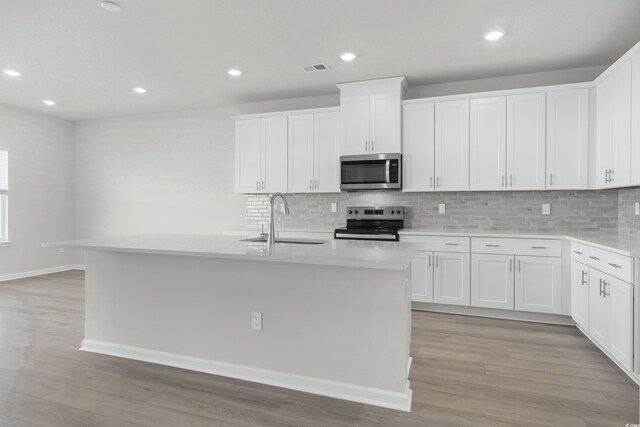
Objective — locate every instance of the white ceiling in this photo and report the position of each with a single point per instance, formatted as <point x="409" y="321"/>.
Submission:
<point x="88" y="59"/>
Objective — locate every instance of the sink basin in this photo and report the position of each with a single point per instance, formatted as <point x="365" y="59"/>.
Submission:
<point x="293" y="241"/>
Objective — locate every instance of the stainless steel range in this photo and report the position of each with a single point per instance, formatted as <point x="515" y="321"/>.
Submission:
<point x="372" y="223"/>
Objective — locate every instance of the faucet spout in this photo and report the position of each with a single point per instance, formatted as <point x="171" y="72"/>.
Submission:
<point x="272" y="227"/>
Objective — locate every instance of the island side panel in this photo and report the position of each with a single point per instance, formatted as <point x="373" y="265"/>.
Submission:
<point x="350" y="325"/>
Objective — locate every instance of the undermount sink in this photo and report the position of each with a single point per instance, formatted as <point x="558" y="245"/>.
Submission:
<point x="293" y="241"/>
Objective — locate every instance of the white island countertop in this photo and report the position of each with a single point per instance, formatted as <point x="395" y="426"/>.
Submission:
<point x="345" y="253"/>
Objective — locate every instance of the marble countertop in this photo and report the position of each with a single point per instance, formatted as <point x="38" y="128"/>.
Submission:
<point x="344" y="253"/>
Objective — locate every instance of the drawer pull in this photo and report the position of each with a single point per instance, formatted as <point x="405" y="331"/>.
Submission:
<point x="614" y="265"/>
<point x="577" y="252"/>
<point x="492" y="246"/>
<point x="594" y="257"/>
<point x="538" y="247"/>
<point x="452" y="244"/>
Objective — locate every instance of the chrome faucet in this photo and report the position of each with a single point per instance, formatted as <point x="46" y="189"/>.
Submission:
<point x="272" y="227"/>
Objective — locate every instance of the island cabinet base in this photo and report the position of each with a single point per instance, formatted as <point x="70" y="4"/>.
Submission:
<point x="336" y="331"/>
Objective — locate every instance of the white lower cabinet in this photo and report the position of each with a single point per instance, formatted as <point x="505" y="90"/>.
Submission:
<point x="422" y="277"/>
<point x="492" y="281"/>
<point x="538" y="284"/>
<point x="451" y="278"/>
<point x="611" y="316"/>
<point x="580" y="294"/>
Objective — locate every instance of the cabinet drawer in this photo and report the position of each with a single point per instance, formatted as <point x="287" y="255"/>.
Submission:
<point x="580" y="252"/>
<point x="438" y="243"/>
<point x="513" y="246"/>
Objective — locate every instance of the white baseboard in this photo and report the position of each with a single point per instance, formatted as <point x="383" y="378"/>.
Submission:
<point x="370" y="396"/>
<point x="634" y="377"/>
<point x="40" y="272"/>
<point x="523" y="316"/>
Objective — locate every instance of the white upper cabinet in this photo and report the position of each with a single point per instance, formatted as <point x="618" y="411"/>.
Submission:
<point x="488" y="143"/>
<point x="371" y="116"/>
<point x="261" y="155"/>
<point x="313" y="154"/>
<point x="526" y="142"/>
<point x="274" y="154"/>
<point x="248" y="156"/>
<point x="613" y="154"/>
<point x="301" y="153"/>
<point x="452" y="146"/>
<point x="355" y="124"/>
<point x="326" y="128"/>
<point x="418" y="147"/>
<point x="567" y="139"/>
<point x="635" y="120"/>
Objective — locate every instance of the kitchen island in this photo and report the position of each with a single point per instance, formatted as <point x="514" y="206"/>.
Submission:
<point x="332" y="319"/>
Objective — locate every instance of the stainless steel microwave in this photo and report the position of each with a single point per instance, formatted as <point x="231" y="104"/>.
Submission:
<point x="371" y="172"/>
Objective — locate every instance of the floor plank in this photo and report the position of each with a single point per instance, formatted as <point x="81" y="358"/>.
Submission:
<point x="467" y="371"/>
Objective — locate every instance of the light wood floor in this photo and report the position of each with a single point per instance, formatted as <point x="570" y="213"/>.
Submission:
<point x="466" y="372"/>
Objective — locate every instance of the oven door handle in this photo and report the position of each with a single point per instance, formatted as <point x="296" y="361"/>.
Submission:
<point x="387" y="171"/>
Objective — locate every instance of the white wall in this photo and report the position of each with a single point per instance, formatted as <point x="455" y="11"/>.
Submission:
<point x="166" y="172"/>
<point x="41" y="196"/>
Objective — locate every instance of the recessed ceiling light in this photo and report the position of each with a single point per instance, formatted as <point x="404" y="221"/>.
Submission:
<point x="348" y="56"/>
<point x="139" y="90"/>
<point x="48" y="102"/>
<point x="235" y="73"/>
<point x="111" y="6"/>
<point x="11" y="73"/>
<point x="493" y="35"/>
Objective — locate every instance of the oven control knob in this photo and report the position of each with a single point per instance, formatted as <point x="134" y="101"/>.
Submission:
<point x="392" y="212"/>
<point x="356" y="212"/>
<point x="350" y="212"/>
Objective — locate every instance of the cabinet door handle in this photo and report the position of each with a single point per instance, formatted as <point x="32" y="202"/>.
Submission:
<point x="502" y="181"/>
<point x="436" y="261"/>
<point x="614" y="265"/>
<point x="429" y="262"/>
<point x="510" y="265"/>
<point x="492" y="246"/>
<point x="604" y="289"/>
<point x="600" y="289"/>
<point x="594" y="258"/>
<point x="612" y="176"/>
<point x="372" y="145"/>
<point x="519" y="269"/>
<point x="263" y="184"/>
<point x="583" y="281"/>
<point x="538" y="247"/>
<point x="310" y="184"/>
<point x="577" y="252"/>
<point x="257" y="185"/>
<point x="366" y="145"/>
<point x="551" y="180"/>
<point x="452" y="244"/>
<point x="438" y="181"/>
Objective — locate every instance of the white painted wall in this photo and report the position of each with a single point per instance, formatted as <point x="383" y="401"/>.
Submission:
<point x="165" y="172"/>
<point x="41" y="196"/>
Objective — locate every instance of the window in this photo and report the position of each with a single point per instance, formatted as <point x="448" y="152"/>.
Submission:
<point x="4" y="195"/>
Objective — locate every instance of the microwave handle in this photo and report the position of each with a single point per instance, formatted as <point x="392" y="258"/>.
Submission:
<point x="387" y="174"/>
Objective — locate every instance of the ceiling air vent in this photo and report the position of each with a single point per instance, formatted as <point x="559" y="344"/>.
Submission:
<point x="314" y="67"/>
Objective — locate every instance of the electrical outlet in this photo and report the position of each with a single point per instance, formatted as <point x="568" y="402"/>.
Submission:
<point x="256" y="320"/>
<point x="334" y="207"/>
<point x="546" y="209"/>
<point x="441" y="208"/>
<point x="637" y="204"/>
